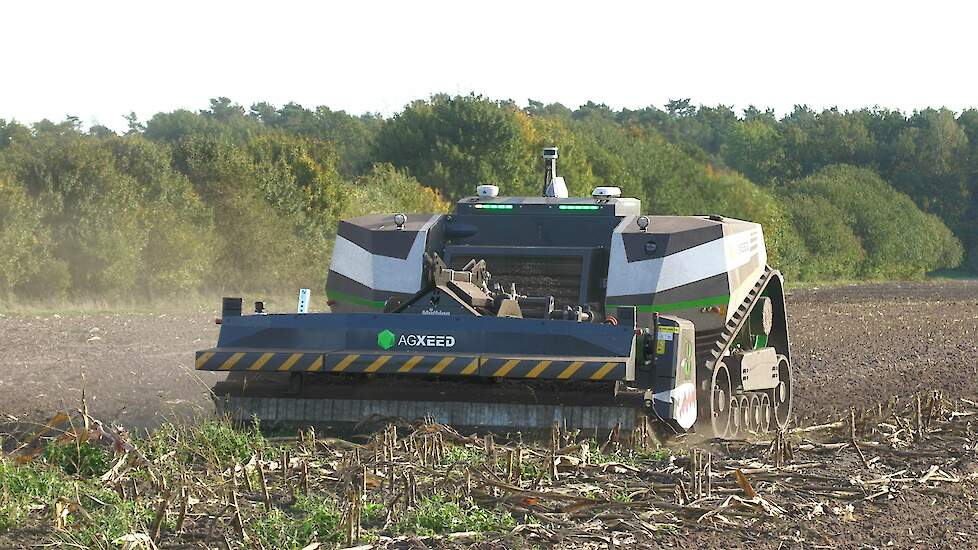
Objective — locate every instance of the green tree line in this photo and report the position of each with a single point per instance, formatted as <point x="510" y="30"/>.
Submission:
<point x="235" y="199"/>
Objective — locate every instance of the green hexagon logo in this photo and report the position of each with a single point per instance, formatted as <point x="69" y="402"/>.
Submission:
<point x="385" y="339"/>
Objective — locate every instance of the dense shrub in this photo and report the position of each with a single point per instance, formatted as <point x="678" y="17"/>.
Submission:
<point x="896" y="239"/>
<point x="384" y="189"/>
<point x="831" y="249"/>
<point x="120" y="219"/>
<point x="456" y="143"/>
<point x="91" y="208"/>
<point x="26" y="264"/>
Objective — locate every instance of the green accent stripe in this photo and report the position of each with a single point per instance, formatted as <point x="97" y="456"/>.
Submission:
<point x="688" y="304"/>
<point x="350" y="298"/>
<point x="760" y="341"/>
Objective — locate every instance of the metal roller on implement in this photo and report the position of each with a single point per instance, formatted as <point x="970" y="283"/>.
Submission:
<point x="518" y="312"/>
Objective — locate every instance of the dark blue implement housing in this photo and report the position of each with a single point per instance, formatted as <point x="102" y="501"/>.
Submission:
<point x="411" y="344"/>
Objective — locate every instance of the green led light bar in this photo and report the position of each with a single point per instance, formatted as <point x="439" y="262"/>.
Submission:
<point x="578" y="207"/>
<point x="494" y="206"/>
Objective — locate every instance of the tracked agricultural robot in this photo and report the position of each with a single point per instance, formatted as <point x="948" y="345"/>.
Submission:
<point x="519" y="312"/>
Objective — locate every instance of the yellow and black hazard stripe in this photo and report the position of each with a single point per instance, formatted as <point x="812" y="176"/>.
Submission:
<point x="370" y="363"/>
<point x="216" y="360"/>
<point x="259" y="361"/>
<point x="496" y="367"/>
<point x="446" y="365"/>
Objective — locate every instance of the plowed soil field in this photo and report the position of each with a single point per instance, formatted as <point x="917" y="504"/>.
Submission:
<point x="852" y="345"/>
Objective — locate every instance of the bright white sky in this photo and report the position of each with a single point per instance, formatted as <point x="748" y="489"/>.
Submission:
<point x="99" y="60"/>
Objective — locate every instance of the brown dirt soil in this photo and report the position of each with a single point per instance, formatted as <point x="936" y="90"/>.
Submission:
<point x="135" y="369"/>
<point x="851" y="345"/>
<point x="859" y="345"/>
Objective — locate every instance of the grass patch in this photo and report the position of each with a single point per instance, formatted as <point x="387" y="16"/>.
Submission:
<point x="436" y="515"/>
<point x="109" y="518"/>
<point x="626" y="456"/>
<point x="309" y="520"/>
<point x="222" y="442"/>
<point x="84" y="458"/>
<point x="217" y="442"/>
<point x="655" y="455"/>
<point x="23" y="488"/>
<point x="40" y="485"/>
<point x="459" y="454"/>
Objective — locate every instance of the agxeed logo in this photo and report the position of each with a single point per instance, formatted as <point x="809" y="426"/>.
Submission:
<point x="387" y="339"/>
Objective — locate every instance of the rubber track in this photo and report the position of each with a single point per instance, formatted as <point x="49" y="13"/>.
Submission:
<point x="738" y="319"/>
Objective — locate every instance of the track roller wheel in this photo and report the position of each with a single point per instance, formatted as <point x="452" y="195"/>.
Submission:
<point x="766" y="414"/>
<point x="720" y="411"/>
<point x="743" y="408"/>
<point x="754" y="413"/>
<point x="781" y="396"/>
<point x="735" y="428"/>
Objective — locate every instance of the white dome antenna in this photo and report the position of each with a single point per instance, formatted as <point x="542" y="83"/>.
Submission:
<point x="606" y="192"/>
<point x="487" y="191"/>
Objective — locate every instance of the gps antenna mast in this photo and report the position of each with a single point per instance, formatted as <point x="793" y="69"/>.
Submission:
<point x="553" y="185"/>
